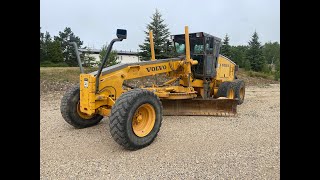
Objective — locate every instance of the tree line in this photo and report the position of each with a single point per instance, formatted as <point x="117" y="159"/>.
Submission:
<point x="254" y="56"/>
<point x="251" y="57"/>
<point x="56" y="51"/>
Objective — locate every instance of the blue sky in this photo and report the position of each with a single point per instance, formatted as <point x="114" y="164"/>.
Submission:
<point x="96" y="21"/>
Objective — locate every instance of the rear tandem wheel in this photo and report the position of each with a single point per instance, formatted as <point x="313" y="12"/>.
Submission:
<point x="239" y="87"/>
<point x="227" y="90"/>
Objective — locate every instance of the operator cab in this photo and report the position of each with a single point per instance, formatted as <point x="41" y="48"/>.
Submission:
<point x="204" y="48"/>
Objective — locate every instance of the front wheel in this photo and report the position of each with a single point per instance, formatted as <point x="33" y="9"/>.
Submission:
<point x="70" y="110"/>
<point x="135" y="119"/>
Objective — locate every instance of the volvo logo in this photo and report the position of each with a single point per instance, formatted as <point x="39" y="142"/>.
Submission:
<point x="156" y="68"/>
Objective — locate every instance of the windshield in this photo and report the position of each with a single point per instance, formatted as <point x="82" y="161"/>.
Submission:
<point x="196" y="45"/>
<point x="180" y="47"/>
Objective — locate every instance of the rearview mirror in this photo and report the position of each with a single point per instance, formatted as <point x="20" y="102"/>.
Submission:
<point x="122" y="33"/>
<point x="71" y="39"/>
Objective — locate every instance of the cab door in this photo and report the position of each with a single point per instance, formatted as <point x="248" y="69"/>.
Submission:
<point x="212" y="47"/>
<point x="208" y="68"/>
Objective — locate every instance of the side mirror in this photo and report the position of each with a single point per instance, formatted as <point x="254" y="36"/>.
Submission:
<point x="122" y="33"/>
<point x="71" y="39"/>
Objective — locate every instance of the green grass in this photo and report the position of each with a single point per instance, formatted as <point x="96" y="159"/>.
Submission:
<point x="260" y="75"/>
<point x="50" y="64"/>
<point x="62" y="74"/>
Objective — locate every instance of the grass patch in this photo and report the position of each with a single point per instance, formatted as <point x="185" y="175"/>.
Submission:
<point x="62" y="74"/>
<point x="50" y="64"/>
<point x="260" y="75"/>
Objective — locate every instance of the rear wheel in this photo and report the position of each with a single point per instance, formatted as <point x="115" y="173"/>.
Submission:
<point x="239" y="87"/>
<point x="226" y="90"/>
<point x="135" y="119"/>
<point x="70" y="110"/>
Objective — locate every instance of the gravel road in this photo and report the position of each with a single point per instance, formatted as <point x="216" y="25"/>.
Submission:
<point x="243" y="147"/>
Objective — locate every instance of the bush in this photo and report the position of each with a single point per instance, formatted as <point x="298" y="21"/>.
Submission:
<point x="267" y="69"/>
<point x="259" y="74"/>
<point x="277" y="76"/>
<point x="271" y="75"/>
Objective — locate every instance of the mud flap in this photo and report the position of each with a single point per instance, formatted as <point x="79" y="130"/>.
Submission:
<point x="199" y="107"/>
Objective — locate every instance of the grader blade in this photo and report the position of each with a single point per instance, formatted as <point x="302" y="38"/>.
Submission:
<point x="199" y="107"/>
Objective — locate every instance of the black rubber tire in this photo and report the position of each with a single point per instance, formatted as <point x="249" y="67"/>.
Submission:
<point x="238" y="84"/>
<point x="69" y="112"/>
<point x="122" y="113"/>
<point x="224" y="88"/>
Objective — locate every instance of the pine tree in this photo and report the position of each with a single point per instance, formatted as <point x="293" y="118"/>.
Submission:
<point x="68" y="50"/>
<point x="88" y="61"/>
<point x="226" y="48"/>
<point x="54" y="52"/>
<point x="112" y="59"/>
<point x="238" y="54"/>
<point x="161" y="34"/>
<point x="50" y="51"/>
<point x="45" y="41"/>
<point x="255" y="54"/>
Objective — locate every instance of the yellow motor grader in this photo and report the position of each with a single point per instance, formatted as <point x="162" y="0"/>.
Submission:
<point x="200" y="82"/>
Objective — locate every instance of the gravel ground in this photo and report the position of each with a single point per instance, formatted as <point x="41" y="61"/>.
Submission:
<point x="243" y="147"/>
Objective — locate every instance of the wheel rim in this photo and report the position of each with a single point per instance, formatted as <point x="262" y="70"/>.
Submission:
<point x="230" y="94"/>
<point x="143" y="120"/>
<point x="242" y="93"/>
<point x="81" y="114"/>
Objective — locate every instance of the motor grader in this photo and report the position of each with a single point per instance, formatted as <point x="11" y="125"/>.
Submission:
<point x="201" y="82"/>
